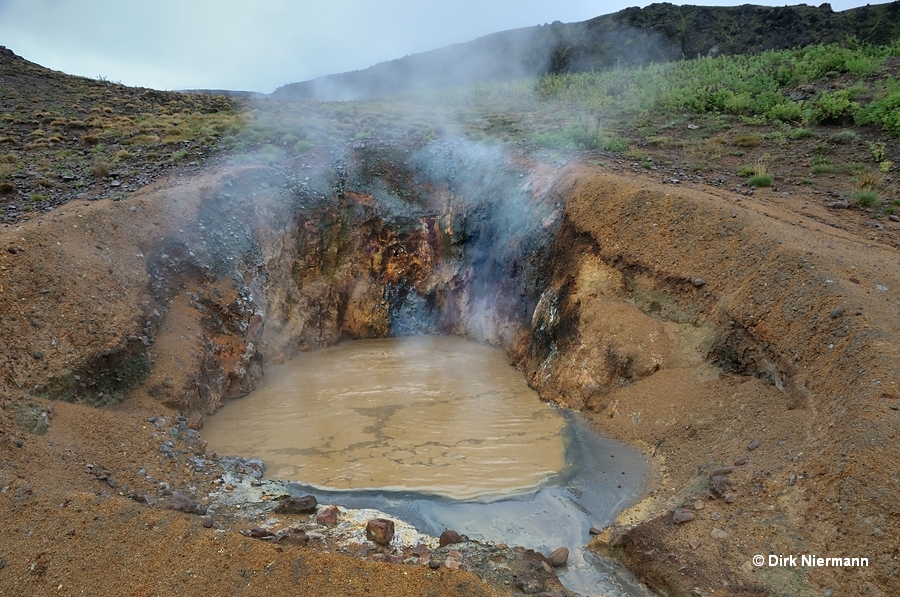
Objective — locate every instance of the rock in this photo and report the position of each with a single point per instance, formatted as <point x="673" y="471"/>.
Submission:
<point x="182" y="503"/>
<point x="380" y="531"/>
<point x="719" y="485"/>
<point x="753" y="445"/>
<point x="726" y="470"/>
<point x="449" y="537"/>
<point x="836" y="313"/>
<point x="698" y="282"/>
<point x="699" y="505"/>
<point x="207" y="522"/>
<point x="558" y="557"/>
<point x="434" y="564"/>
<point x="328" y="516"/>
<point x="195" y="422"/>
<point x="718" y="534"/>
<point x="894" y="218"/>
<point x="694" y="543"/>
<point x="297" y="505"/>
<point x="681" y="515"/>
<point x="259" y="533"/>
<point x="740" y="462"/>
<point x="256" y="467"/>
<point x="595" y="531"/>
<point x="291" y="535"/>
<point x="531" y="582"/>
<point x="730" y="498"/>
<point x="18" y="443"/>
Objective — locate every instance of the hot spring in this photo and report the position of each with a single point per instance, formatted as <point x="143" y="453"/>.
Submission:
<point x="443" y="433"/>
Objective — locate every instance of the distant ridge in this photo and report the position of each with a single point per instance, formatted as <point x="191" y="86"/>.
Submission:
<point x="661" y="32"/>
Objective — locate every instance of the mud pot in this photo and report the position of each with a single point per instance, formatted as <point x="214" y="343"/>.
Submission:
<point x="747" y="347"/>
<point x="442" y="433"/>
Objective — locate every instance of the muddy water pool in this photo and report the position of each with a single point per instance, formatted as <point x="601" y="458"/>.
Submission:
<point x="443" y="433"/>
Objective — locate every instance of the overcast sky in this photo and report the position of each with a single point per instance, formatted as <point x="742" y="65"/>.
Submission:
<point x="259" y="45"/>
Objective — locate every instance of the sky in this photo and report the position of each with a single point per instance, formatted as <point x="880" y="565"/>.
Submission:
<point x="259" y="45"/>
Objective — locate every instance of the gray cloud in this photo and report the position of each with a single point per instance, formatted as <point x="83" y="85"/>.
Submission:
<point x="260" y="45"/>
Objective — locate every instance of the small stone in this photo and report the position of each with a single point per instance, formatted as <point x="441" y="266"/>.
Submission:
<point x="682" y="515"/>
<point x="740" y="462"/>
<point x="836" y="313"/>
<point x="328" y="517"/>
<point x="595" y="531"/>
<point x="434" y="564"/>
<point x="726" y="470"/>
<point x="38" y="354"/>
<point x="718" y="534"/>
<point x="361" y="550"/>
<point x="207" y="522"/>
<point x="558" y="557"/>
<point x="698" y="282"/>
<point x="894" y="218"/>
<point x="840" y="204"/>
<point x="297" y="505"/>
<point x="182" y="503"/>
<point x="380" y="530"/>
<point x="694" y="543"/>
<point x="730" y="498"/>
<point x="753" y="445"/>
<point x="18" y="443"/>
<point x="259" y="533"/>
<point x="719" y="485"/>
<point x="699" y="505"/>
<point x="292" y="536"/>
<point x="829" y="593"/>
<point x="448" y="537"/>
<point x="420" y="550"/>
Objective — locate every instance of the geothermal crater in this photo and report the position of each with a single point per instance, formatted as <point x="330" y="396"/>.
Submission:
<point x="703" y="332"/>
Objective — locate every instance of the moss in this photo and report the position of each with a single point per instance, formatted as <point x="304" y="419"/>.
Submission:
<point x="105" y="387"/>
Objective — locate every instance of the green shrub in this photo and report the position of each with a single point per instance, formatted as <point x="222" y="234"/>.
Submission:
<point x="787" y="112"/>
<point x="801" y="134"/>
<point x="844" y="137"/>
<point x="834" y="107"/>
<point x="573" y="138"/>
<point x="865" y="198"/>
<point x="759" y="178"/>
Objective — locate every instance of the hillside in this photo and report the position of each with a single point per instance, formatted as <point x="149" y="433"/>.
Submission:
<point x="661" y="32"/>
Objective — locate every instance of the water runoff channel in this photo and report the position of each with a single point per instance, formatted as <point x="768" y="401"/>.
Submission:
<point x="443" y="433"/>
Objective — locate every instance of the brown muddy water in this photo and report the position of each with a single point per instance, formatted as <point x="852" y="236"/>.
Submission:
<point x="431" y="414"/>
<point x="443" y="433"/>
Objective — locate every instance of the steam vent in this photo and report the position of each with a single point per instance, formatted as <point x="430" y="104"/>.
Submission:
<point x="259" y="357"/>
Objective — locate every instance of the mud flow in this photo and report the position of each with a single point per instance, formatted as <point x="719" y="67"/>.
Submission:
<point x="444" y="433"/>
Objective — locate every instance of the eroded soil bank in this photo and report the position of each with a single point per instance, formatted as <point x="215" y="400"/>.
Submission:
<point x="711" y="333"/>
